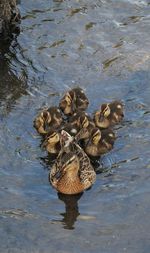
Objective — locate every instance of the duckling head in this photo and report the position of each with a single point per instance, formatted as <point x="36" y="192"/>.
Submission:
<point x="117" y="108"/>
<point x="46" y="116"/>
<point x="53" y="137"/>
<point x="96" y="135"/>
<point x="108" y="138"/>
<point x="82" y="101"/>
<point x="83" y="121"/>
<point x="101" y="117"/>
<point x="56" y="116"/>
<point x="67" y="104"/>
<point x="105" y="111"/>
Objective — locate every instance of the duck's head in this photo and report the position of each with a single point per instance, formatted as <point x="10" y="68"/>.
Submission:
<point x="65" y="139"/>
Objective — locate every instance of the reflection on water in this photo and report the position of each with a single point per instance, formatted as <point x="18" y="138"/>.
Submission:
<point x="71" y="209"/>
<point x="12" y="87"/>
<point x="103" y="46"/>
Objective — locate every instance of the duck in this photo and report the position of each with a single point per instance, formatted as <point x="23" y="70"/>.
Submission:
<point x="73" y="100"/>
<point x="52" y="142"/>
<point x="48" y="119"/>
<point x="72" y="172"/>
<point x="99" y="143"/>
<point x="109" y="114"/>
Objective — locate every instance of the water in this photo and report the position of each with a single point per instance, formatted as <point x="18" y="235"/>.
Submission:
<point x="103" y="46"/>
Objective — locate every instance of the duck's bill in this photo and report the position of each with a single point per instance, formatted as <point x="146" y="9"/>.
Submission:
<point x="65" y="138"/>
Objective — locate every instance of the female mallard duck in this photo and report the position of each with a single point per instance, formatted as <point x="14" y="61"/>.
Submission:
<point x="109" y="114"/>
<point x="52" y="142"/>
<point x="48" y="119"/>
<point x="73" y="100"/>
<point x="100" y="142"/>
<point x="72" y="171"/>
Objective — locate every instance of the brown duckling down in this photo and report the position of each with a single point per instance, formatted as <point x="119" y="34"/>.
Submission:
<point x="52" y="142"/>
<point x="48" y="119"/>
<point x="78" y="121"/>
<point x="99" y="142"/>
<point x="73" y="101"/>
<point x="109" y="114"/>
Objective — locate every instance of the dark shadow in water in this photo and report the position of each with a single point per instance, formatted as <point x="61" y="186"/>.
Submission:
<point x="12" y="87"/>
<point x="71" y="209"/>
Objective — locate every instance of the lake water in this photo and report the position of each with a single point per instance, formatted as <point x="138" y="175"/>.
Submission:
<point x="104" y="47"/>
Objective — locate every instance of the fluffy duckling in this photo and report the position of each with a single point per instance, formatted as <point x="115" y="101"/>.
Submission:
<point x="48" y="119"/>
<point x="72" y="171"/>
<point x="52" y="142"/>
<point x="109" y="114"/>
<point x="73" y="100"/>
<point x="82" y="101"/>
<point x="76" y="122"/>
<point x="100" y="142"/>
<point x="86" y="125"/>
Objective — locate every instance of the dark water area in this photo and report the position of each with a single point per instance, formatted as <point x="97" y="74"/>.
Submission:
<point x="103" y="46"/>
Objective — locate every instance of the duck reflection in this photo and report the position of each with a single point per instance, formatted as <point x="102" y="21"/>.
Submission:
<point x="71" y="209"/>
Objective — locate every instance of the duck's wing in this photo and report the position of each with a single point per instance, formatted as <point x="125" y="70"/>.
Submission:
<point x="86" y="173"/>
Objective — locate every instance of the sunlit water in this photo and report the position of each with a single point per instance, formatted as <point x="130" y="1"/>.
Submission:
<point x="103" y="46"/>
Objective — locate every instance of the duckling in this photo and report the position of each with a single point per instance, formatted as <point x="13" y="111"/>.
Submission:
<point x="100" y="142"/>
<point x="48" y="119"/>
<point x="109" y="114"/>
<point x="52" y="142"/>
<point x="76" y="122"/>
<point x="82" y="101"/>
<point x="86" y="125"/>
<point x="72" y="172"/>
<point x="73" y="100"/>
